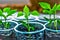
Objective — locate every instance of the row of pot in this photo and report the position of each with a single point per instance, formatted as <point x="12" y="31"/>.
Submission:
<point x="40" y="33"/>
<point x="31" y="29"/>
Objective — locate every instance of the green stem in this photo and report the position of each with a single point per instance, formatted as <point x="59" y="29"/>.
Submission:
<point x="5" y="22"/>
<point x="50" y="16"/>
<point x="2" y="23"/>
<point x="55" y="22"/>
<point x="28" y="28"/>
<point x="54" y="16"/>
<point x="50" y="19"/>
<point x="28" y="25"/>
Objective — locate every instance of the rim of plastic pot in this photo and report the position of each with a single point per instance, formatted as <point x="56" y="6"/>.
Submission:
<point x="30" y="32"/>
<point x="10" y="28"/>
<point x="22" y="19"/>
<point x="41" y="20"/>
<point x="51" y="29"/>
<point x="17" y="19"/>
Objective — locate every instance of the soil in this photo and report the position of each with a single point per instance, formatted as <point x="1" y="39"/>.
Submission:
<point x="24" y="29"/>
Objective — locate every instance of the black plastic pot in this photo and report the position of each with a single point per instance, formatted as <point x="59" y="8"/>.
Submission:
<point x="8" y="32"/>
<point x="22" y="34"/>
<point x="51" y="33"/>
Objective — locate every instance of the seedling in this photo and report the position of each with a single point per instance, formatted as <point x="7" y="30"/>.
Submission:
<point x="9" y="13"/>
<point x="47" y="9"/>
<point x="26" y="12"/>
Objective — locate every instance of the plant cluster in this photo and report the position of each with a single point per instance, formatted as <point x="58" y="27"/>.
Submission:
<point x="9" y="13"/>
<point x="50" y="10"/>
<point x="26" y="12"/>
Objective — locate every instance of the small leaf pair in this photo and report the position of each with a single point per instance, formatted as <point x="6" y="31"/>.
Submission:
<point x="47" y="8"/>
<point x="9" y="11"/>
<point x="26" y="12"/>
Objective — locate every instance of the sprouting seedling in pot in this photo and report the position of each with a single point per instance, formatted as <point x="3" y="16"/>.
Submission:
<point x="47" y="9"/>
<point x="26" y="12"/>
<point x="9" y="13"/>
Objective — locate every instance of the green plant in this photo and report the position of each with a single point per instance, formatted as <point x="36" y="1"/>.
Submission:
<point x="47" y="9"/>
<point x="9" y="13"/>
<point x="26" y="12"/>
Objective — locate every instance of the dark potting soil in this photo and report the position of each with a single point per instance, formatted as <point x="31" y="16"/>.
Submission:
<point x="10" y="23"/>
<point x="24" y="29"/>
<point x="36" y="36"/>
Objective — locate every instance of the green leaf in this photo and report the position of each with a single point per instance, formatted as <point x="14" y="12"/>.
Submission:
<point x="11" y="12"/>
<point x="24" y="24"/>
<point x="33" y="28"/>
<point x="6" y="9"/>
<point x="58" y="7"/>
<point x="0" y="22"/>
<point x="46" y="11"/>
<point x="27" y="26"/>
<point x="58" y="21"/>
<point x="51" y="12"/>
<point x="7" y="25"/>
<point x="26" y="11"/>
<point x="20" y="13"/>
<point x="26" y="17"/>
<point x="45" y="5"/>
<point x="55" y="24"/>
<point x="1" y="13"/>
<point x="46" y="18"/>
<point x="54" y="8"/>
<point x="35" y="13"/>
<point x="50" y="23"/>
